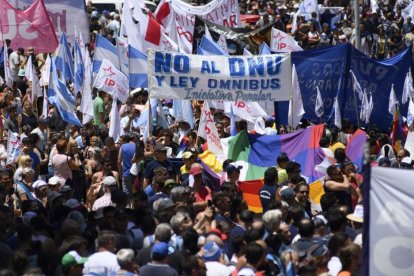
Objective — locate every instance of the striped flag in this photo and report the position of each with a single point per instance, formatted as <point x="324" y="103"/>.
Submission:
<point x="64" y="61"/>
<point x="250" y="191"/>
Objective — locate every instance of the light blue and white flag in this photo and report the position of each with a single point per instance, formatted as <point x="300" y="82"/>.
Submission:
<point x="86" y="106"/>
<point x="183" y="110"/>
<point x="59" y="96"/>
<point x="138" y="69"/>
<point x="79" y="68"/>
<point x="265" y="49"/>
<point x="104" y="50"/>
<point x="209" y="47"/>
<point x="64" y="60"/>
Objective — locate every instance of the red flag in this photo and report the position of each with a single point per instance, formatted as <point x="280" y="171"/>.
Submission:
<point x="163" y="12"/>
<point x="153" y="33"/>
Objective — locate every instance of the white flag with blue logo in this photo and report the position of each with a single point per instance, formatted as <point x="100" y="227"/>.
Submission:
<point x="86" y="106"/>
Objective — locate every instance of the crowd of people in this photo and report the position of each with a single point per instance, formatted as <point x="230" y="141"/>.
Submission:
<point x="77" y="201"/>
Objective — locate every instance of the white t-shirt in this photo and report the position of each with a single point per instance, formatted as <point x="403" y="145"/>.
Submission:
<point x="100" y="262"/>
<point x="217" y="269"/>
<point x="43" y="136"/>
<point x="334" y="266"/>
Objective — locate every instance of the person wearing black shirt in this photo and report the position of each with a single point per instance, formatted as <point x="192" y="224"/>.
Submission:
<point x="268" y="190"/>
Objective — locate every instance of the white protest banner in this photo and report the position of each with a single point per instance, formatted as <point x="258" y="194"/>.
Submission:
<point x="219" y="78"/>
<point x="67" y="16"/>
<point x="13" y="147"/>
<point x="178" y="18"/>
<point x="282" y="42"/>
<point x="112" y="81"/>
<point x="207" y="129"/>
<point x="249" y="111"/>
<point x="390" y="222"/>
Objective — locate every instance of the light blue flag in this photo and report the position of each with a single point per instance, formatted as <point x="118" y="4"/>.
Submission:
<point x="208" y="47"/>
<point x="64" y="60"/>
<point x="104" y="49"/>
<point x="233" y="130"/>
<point x="138" y="69"/>
<point x="79" y="68"/>
<point x="59" y="96"/>
<point x="264" y="49"/>
<point x="183" y="110"/>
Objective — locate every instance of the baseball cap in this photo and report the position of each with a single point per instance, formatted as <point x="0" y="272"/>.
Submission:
<point x="164" y="203"/>
<point x="406" y="163"/>
<point x="39" y="183"/>
<point x="28" y="216"/>
<point x="109" y="180"/>
<point x="160" y="147"/>
<point x="55" y="180"/>
<point x="73" y="258"/>
<point x="211" y="252"/>
<point x="196" y="170"/>
<point x="187" y="155"/>
<point x="43" y="120"/>
<point x="170" y="183"/>
<point x="160" y="250"/>
<point x="287" y="193"/>
<point x="72" y="203"/>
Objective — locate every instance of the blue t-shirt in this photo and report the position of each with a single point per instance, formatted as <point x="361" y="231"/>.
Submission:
<point x="35" y="158"/>
<point x="267" y="195"/>
<point x="152" y="165"/>
<point x="127" y="151"/>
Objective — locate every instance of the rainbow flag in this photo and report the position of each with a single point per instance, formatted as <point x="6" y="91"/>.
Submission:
<point x="256" y="153"/>
<point x="250" y="191"/>
<point x="316" y="191"/>
<point x="355" y="148"/>
<point x="399" y="132"/>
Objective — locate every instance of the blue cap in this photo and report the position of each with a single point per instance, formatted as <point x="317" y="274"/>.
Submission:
<point x="211" y="252"/>
<point x="160" y="249"/>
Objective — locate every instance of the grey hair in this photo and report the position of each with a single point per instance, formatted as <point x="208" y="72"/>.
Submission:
<point x="176" y="220"/>
<point x="163" y="232"/>
<point x="271" y="219"/>
<point x="125" y="257"/>
<point x="176" y="193"/>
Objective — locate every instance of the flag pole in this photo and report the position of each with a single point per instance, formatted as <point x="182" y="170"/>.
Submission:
<point x="356" y="109"/>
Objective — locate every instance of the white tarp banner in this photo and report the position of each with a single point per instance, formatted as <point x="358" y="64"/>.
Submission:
<point x="391" y="240"/>
<point x="219" y="78"/>
<point x="178" y="18"/>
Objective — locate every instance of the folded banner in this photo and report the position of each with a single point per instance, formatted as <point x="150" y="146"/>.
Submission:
<point x="29" y="28"/>
<point x="67" y="16"/>
<point x="390" y="222"/>
<point x="178" y="17"/>
<point x="238" y="39"/>
<point x="112" y="81"/>
<point x="242" y="78"/>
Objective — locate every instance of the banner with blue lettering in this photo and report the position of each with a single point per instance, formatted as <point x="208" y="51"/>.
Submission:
<point x="329" y="70"/>
<point x="219" y="78"/>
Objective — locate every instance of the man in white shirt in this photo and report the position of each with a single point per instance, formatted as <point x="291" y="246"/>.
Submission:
<point x="15" y="62"/>
<point x="214" y="261"/>
<point x="41" y="131"/>
<point x="104" y="260"/>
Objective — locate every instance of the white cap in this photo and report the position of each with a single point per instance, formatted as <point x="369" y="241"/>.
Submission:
<point x="55" y="180"/>
<point x="109" y="180"/>
<point x="39" y="183"/>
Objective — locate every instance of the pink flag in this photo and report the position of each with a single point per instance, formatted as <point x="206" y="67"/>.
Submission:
<point x="29" y="28"/>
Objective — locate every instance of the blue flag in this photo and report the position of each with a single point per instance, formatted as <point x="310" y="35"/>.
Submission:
<point x="138" y="72"/>
<point x="79" y="68"/>
<point x="208" y="47"/>
<point x="64" y="60"/>
<point x="264" y="49"/>
<point x="60" y="97"/>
